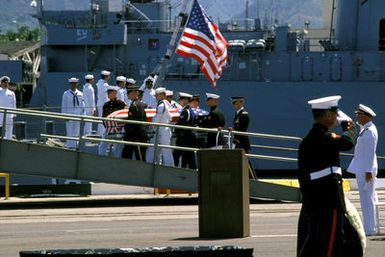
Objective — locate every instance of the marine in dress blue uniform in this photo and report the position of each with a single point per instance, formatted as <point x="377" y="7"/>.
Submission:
<point x="240" y="123"/>
<point x="215" y="119"/>
<point x="186" y="137"/>
<point x="323" y="230"/>
<point x="109" y="107"/>
<point x="135" y="132"/>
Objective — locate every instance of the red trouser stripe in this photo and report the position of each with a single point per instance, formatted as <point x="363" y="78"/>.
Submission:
<point x="333" y="233"/>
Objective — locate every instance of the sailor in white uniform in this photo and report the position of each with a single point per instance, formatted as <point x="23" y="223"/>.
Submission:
<point x="89" y="102"/>
<point x="102" y="98"/>
<point x="364" y="166"/>
<point x="72" y="103"/>
<point x="149" y="93"/>
<point x="174" y="104"/>
<point x="121" y="84"/>
<point x="7" y="99"/>
<point x="164" y="137"/>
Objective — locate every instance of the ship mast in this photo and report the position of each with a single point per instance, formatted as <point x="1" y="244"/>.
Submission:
<point x="247" y="14"/>
<point x="161" y="68"/>
<point x="332" y="21"/>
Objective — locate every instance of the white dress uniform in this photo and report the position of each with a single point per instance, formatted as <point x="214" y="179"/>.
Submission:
<point x="165" y="154"/>
<point x="176" y="105"/>
<point x="365" y="160"/>
<point x="149" y="98"/>
<point x="89" y="105"/>
<point x="7" y="99"/>
<point x="101" y="85"/>
<point x="122" y="96"/>
<point x="149" y="94"/>
<point x="72" y="103"/>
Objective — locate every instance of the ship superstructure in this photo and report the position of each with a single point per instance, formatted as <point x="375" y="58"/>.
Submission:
<point x="277" y="69"/>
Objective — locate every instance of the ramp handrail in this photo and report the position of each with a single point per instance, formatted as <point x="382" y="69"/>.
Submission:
<point x="83" y="118"/>
<point x="95" y="119"/>
<point x="230" y="133"/>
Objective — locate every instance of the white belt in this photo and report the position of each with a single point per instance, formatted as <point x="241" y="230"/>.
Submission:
<point x="325" y="172"/>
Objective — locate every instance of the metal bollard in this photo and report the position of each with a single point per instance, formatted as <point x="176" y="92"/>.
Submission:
<point x="20" y="129"/>
<point x="50" y="127"/>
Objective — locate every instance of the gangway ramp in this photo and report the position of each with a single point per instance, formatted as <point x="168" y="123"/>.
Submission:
<point x="41" y="160"/>
<point x="26" y="158"/>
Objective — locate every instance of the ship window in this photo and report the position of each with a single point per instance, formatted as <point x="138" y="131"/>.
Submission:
<point x="66" y="5"/>
<point x="66" y="59"/>
<point x="153" y="44"/>
<point x="381" y="42"/>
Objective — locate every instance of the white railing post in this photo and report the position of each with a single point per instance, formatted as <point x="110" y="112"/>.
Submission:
<point x="4" y="128"/>
<point x="80" y="138"/>
<point x="156" y="159"/>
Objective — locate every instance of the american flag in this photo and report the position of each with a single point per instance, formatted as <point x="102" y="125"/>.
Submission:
<point x="202" y="40"/>
<point x="199" y="112"/>
<point x="115" y="127"/>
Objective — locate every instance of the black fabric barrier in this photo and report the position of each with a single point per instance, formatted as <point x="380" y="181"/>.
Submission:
<point x="186" y="251"/>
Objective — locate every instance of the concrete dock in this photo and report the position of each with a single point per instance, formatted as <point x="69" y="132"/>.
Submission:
<point x="110" y="221"/>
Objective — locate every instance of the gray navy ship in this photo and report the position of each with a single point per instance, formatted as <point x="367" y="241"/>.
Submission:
<point x="276" y="69"/>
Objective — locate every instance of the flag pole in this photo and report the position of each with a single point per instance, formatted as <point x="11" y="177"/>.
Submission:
<point x="161" y="69"/>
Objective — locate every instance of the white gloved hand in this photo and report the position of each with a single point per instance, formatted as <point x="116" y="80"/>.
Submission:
<point x="341" y="116"/>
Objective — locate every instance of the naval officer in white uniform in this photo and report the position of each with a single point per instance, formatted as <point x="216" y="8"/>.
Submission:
<point x="7" y="99"/>
<point x="89" y="101"/>
<point x="102" y="98"/>
<point x="364" y="166"/>
<point x="72" y="103"/>
<point x="148" y="92"/>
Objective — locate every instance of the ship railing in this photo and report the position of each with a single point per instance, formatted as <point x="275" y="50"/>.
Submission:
<point x="156" y="25"/>
<point x="81" y="139"/>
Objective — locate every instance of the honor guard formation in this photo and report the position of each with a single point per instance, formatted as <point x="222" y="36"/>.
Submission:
<point x="125" y="100"/>
<point x="145" y="103"/>
<point x="324" y="226"/>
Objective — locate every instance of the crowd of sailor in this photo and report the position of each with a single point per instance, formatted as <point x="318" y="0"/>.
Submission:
<point x="126" y="100"/>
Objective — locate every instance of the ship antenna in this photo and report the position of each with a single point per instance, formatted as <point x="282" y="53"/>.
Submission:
<point x="247" y="14"/>
<point x="332" y="20"/>
<point x="257" y="8"/>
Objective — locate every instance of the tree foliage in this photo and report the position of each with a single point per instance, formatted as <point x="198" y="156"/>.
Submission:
<point x="23" y="33"/>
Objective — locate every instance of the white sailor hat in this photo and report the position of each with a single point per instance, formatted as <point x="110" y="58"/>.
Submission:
<point x="73" y="80"/>
<point x="160" y="90"/>
<point x="325" y="103"/>
<point x="184" y="95"/>
<point x="105" y="72"/>
<point x="169" y="93"/>
<point x="89" y="76"/>
<point x="131" y="81"/>
<point x="149" y="78"/>
<point x="112" y="88"/>
<point x="213" y="96"/>
<point x="121" y="78"/>
<point x="365" y="109"/>
<point x="5" y="79"/>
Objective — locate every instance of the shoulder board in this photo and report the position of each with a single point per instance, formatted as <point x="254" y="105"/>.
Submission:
<point x="246" y="113"/>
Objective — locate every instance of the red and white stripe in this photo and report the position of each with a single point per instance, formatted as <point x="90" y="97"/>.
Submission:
<point x="113" y="127"/>
<point x="211" y="55"/>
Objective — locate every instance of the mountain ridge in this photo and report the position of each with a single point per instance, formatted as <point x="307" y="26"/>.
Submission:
<point x="295" y="12"/>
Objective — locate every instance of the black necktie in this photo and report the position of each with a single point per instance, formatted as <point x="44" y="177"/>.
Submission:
<point x="75" y="99"/>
